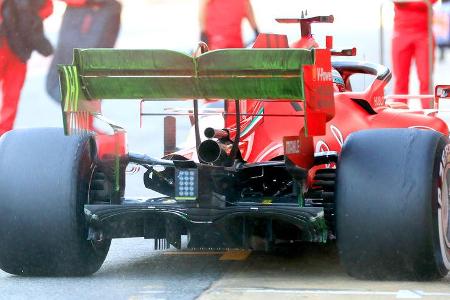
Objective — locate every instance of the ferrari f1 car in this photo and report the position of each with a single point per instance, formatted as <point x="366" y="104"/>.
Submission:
<point x="299" y="159"/>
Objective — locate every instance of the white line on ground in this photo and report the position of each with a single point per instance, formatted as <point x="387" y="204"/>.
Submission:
<point x="400" y="294"/>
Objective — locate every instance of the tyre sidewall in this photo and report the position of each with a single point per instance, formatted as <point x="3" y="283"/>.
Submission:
<point x="440" y="187"/>
<point x="387" y="204"/>
<point x="44" y="180"/>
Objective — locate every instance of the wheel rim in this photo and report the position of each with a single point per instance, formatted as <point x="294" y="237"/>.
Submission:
<point x="444" y="217"/>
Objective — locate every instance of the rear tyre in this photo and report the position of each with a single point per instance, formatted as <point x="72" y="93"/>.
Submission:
<point x="44" y="182"/>
<point x="392" y="204"/>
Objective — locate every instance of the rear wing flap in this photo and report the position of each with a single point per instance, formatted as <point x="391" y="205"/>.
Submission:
<point x="235" y="74"/>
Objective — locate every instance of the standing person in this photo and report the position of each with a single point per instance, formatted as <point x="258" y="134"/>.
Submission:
<point x="85" y="24"/>
<point x="410" y="40"/>
<point x="21" y="33"/>
<point x="441" y="27"/>
<point x="221" y="20"/>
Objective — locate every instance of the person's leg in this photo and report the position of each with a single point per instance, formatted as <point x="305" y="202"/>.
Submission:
<point x="402" y="51"/>
<point x="421" y="54"/>
<point x="13" y="80"/>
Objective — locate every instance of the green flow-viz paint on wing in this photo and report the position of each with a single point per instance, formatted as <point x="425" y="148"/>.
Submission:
<point x="166" y="74"/>
<point x="235" y="74"/>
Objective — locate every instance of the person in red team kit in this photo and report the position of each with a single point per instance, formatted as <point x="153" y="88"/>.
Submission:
<point x="79" y="3"/>
<point x="21" y="33"/>
<point x="410" y="40"/>
<point x="220" y="22"/>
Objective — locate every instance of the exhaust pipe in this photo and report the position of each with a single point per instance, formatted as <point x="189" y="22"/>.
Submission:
<point x="217" y="133"/>
<point x="211" y="151"/>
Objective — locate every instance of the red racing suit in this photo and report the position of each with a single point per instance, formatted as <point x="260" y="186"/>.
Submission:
<point x="307" y="42"/>
<point x="223" y="19"/>
<point x="79" y="3"/>
<point x="75" y="2"/>
<point x="13" y="70"/>
<point x="410" y="41"/>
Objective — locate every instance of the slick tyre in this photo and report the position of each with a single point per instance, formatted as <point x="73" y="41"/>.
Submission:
<point x="392" y="204"/>
<point x="44" y="182"/>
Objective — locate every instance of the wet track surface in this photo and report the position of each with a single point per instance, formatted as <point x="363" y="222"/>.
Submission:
<point x="132" y="269"/>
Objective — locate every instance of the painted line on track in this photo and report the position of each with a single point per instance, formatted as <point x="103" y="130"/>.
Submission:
<point x="400" y="294"/>
<point x="238" y="255"/>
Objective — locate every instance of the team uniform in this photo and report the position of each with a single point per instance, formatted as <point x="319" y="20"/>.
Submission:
<point x="223" y="21"/>
<point x="410" y="41"/>
<point x="21" y="34"/>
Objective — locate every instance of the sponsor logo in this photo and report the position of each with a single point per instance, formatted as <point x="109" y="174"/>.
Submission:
<point x="378" y="101"/>
<point x="322" y="75"/>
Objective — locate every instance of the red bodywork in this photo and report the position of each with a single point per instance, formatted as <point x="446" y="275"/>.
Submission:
<point x="264" y="142"/>
<point x="275" y="130"/>
<point x="328" y="127"/>
<point x="262" y="136"/>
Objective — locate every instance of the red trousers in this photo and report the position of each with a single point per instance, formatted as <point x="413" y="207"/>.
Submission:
<point x="218" y="41"/>
<point x="12" y="77"/>
<point x="407" y="46"/>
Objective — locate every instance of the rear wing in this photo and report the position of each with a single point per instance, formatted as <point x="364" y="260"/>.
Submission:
<point x="234" y="74"/>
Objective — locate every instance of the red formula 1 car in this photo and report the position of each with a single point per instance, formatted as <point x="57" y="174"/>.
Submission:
<point x="300" y="159"/>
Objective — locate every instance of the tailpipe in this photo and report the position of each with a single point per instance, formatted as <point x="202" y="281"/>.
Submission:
<point x="211" y="151"/>
<point x="221" y="134"/>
